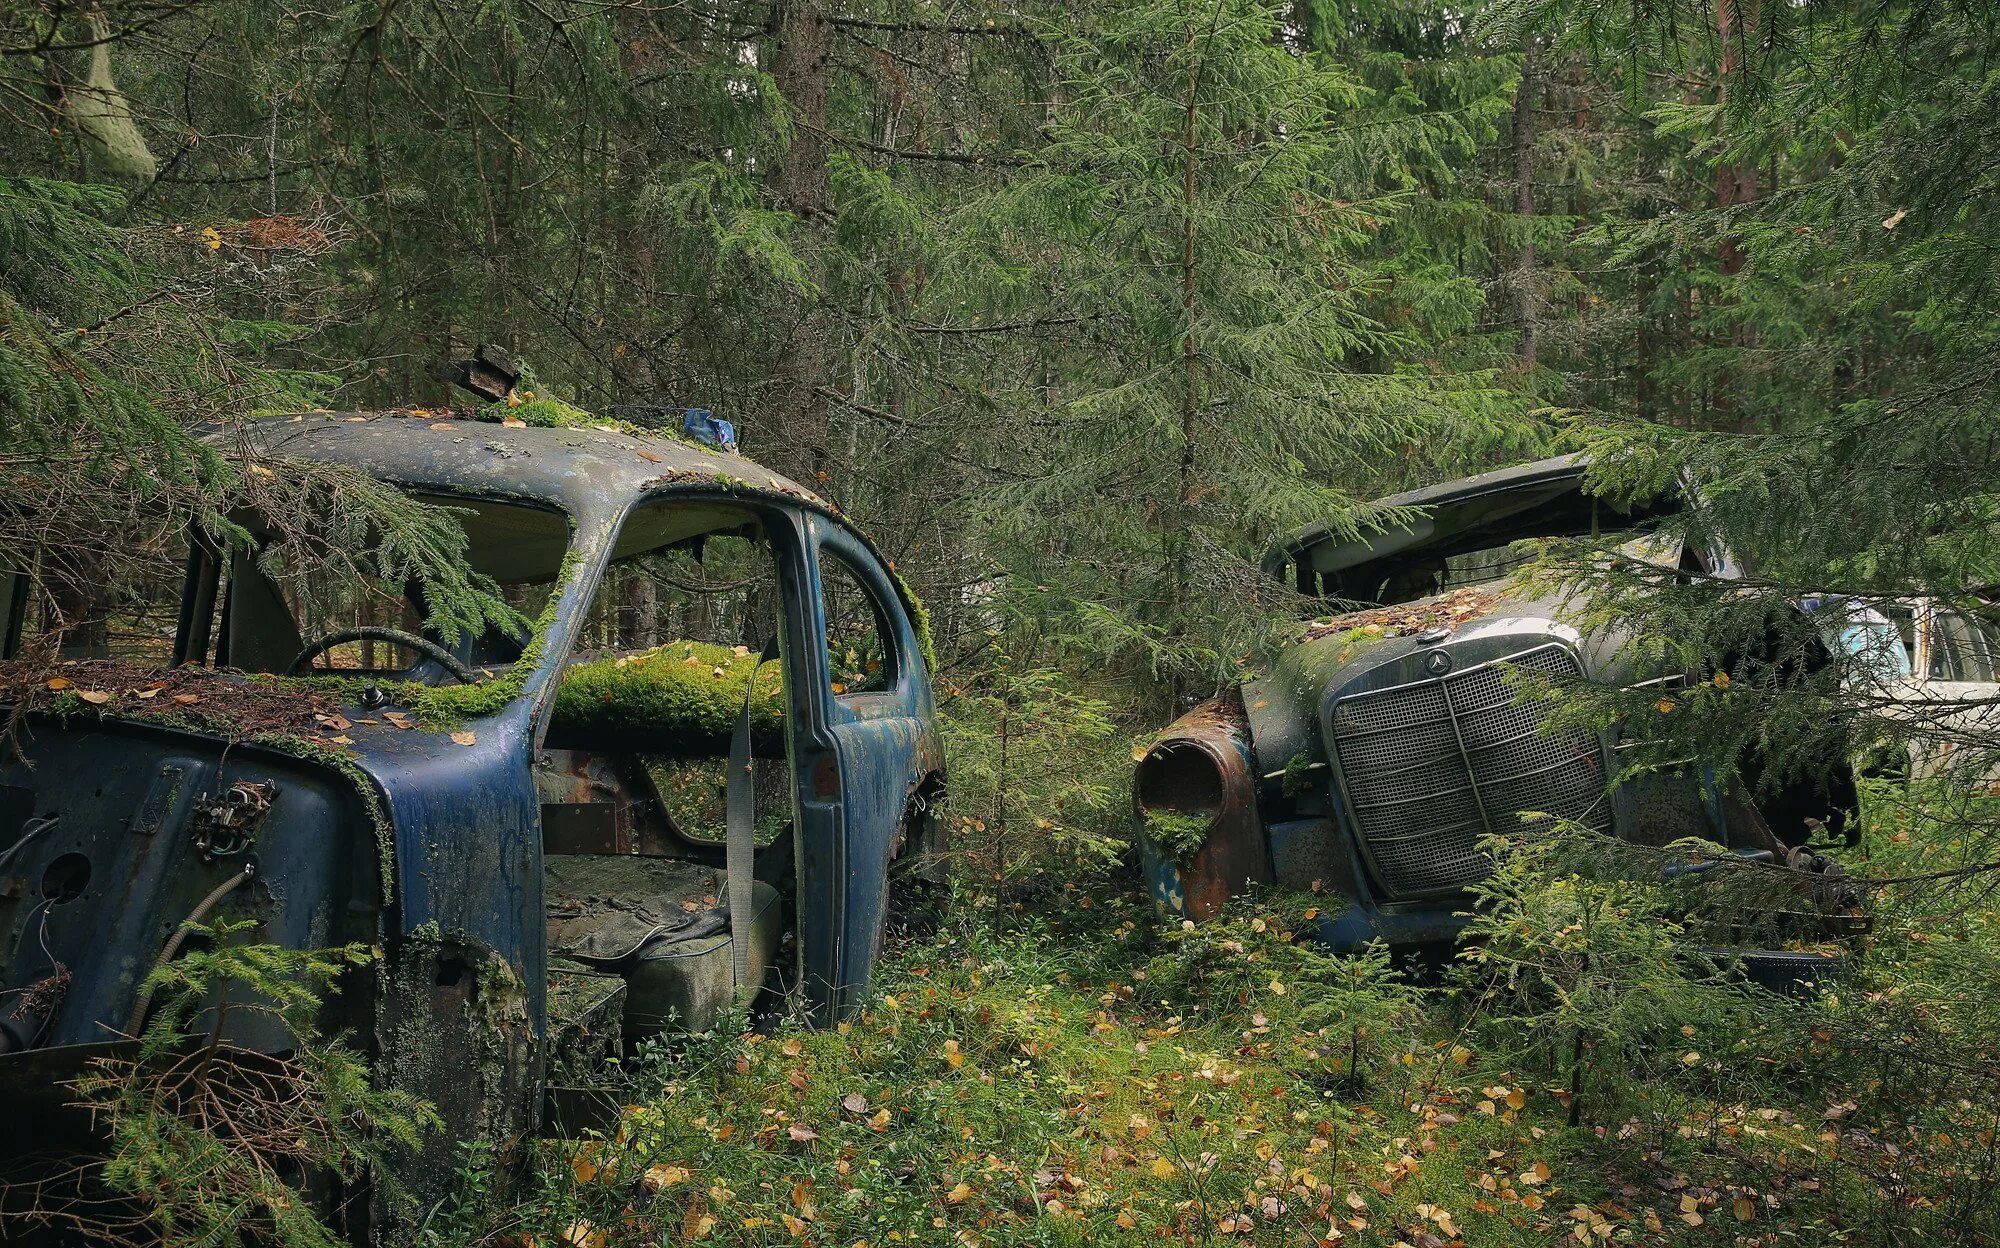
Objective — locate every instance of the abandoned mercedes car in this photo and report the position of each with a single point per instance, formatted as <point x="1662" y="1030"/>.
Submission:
<point x="691" y="777"/>
<point x="1385" y="745"/>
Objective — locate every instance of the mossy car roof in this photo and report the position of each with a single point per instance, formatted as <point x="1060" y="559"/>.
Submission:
<point x="581" y="470"/>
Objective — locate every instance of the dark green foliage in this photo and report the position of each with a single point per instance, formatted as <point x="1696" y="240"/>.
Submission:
<point x="211" y="1145"/>
<point x="1038" y="770"/>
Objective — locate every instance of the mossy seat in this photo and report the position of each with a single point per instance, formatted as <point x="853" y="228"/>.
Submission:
<point x="681" y="698"/>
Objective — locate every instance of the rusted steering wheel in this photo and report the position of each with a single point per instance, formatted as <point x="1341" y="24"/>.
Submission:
<point x="396" y="636"/>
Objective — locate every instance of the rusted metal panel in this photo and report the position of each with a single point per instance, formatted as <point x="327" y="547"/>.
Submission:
<point x="1201" y="765"/>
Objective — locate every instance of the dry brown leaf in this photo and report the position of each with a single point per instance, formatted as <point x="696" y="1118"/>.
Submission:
<point x="583" y="1235"/>
<point x="96" y="697"/>
<point x="659" y="1178"/>
<point x="467" y="737"/>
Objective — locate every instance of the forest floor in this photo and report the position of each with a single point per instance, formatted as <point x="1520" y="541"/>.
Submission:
<point x="1072" y="1070"/>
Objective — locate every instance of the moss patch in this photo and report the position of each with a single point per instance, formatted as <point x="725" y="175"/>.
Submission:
<point x="1176" y="831"/>
<point x="546" y="413"/>
<point x="1449" y="610"/>
<point x="920" y="621"/>
<point x="689" y="689"/>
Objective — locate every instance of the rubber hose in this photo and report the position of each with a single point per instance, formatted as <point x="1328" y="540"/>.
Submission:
<point x="174" y="942"/>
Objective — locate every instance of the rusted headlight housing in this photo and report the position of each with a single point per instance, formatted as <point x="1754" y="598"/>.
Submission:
<point x="1178" y="791"/>
<point x="1196" y="802"/>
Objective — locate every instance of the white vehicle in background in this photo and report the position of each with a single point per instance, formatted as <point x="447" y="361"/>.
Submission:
<point x="1939" y="667"/>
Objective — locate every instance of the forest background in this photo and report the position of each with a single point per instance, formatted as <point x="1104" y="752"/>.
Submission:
<point x="1075" y="308"/>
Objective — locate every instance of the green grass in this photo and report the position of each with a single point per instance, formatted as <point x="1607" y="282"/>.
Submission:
<point x="1073" y="1070"/>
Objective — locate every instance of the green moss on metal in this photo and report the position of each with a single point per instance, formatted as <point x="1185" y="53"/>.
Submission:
<point x="920" y="620"/>
<point x="1298" y="775"/>
<point x="690" y="691"/>
<point x="338" y="759"/>
<point x="546" y="413"/>
<point x="1176" y="831"/>
<point x="442" y="707"/>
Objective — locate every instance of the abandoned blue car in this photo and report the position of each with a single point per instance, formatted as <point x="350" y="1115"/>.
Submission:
<point x="691" y="778"/>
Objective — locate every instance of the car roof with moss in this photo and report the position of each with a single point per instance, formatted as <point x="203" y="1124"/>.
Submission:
<point x="562" y="456"/>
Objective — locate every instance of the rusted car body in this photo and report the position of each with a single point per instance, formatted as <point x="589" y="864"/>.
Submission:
<point x="468" y="851"/>
<point x="1385" y="744"/>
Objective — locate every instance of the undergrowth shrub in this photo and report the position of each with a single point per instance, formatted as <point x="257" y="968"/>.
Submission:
<point x="1252" y="969"/>
<point x="1039" y="775"/>
<point x="213" y="1146"/>
<point x="1574" y="967"/>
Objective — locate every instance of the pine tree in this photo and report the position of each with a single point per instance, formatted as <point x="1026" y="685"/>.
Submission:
<point x="1203" y="214"/>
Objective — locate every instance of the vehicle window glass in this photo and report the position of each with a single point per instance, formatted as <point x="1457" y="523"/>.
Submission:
<point x="1905" y="621"/>
<point x="656" y="682"/>
<point x="858" y="657"/>
<point x="1876" y="647"/>
<point x="1963" y="648"/>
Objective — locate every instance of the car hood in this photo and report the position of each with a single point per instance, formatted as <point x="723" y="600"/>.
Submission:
<point x="1475" y="623"/>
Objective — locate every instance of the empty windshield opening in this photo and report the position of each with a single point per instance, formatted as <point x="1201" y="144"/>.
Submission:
<point x="277" y="608"/>
<point x="1469" y="541"/>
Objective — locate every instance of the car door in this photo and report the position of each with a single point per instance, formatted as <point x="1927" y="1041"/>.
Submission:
<point x="870" y="748"/>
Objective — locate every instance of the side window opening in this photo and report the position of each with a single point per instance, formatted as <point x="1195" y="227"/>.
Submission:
<point x="95" y="603"/>
<point x="859" y="657"/>
<point x="1964" y="648"/>
<point x="659" y="673"/>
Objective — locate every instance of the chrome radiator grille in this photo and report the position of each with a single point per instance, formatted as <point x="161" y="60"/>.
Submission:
<point x="1430" y="767"/>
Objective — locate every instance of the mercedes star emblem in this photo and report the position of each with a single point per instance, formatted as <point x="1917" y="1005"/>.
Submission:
<point x="1437" y="662"/>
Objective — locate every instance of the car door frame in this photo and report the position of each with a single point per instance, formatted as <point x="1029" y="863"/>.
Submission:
<point x="865" y="757"/>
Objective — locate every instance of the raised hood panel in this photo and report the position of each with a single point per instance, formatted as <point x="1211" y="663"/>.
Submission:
<point x="112" y="834"/>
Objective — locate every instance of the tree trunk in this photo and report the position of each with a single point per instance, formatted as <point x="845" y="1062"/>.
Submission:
<point x="800" y="52"/>
<point x="1183" y="518"/>
<point x="1524" y="203"/>
<point x="1734" y="184"/>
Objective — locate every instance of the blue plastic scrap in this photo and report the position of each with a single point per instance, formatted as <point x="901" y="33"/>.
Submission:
<point x="704" y="426"/>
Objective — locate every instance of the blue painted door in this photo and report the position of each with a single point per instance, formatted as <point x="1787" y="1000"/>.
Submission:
<point x="868" y="748"/>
